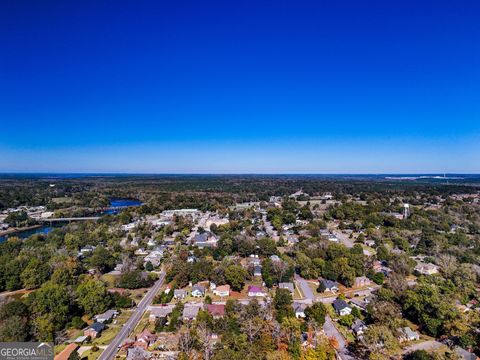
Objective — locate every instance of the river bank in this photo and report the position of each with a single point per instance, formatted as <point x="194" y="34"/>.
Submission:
<point x="16" y="230"/>
<point x="116" y="205"/>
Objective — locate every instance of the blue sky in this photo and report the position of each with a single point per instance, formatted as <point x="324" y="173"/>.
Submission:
<point x="240" y="87"/>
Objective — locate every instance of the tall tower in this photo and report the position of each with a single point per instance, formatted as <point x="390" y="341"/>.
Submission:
<point x="406" y="211"/>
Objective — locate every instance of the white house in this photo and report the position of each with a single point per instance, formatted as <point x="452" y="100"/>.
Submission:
<point x="255" y="291"/>
<point x="426" y="268"/>
<point x="299" y="309"/>
<point x="222" y="290"/>
<point x="341" y="307"/>
<point x="198" y="291"/>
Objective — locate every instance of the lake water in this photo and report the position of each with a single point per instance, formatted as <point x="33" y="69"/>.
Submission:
<point x="116" y="206"/>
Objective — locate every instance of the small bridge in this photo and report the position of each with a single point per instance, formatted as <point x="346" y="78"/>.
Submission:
<point x="86" y="218"/>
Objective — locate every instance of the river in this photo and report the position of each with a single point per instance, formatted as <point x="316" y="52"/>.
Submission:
<point x="116" y="205"/>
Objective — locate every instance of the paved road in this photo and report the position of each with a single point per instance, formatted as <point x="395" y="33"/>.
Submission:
<point x="137" y="314"/>
<point x="307" y="292"/>
<point x="331" y="331"/>
<point x="270" y="230"/>
<point x="344" y="239"/>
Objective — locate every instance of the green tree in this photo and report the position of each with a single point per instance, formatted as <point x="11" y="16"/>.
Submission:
<point x="236" y="276"/>
<point x="101" y="259"/>
<point x="93" y="297"/>
<point x="50" y="306"/>
<point x="35" y="274"/>
<point x="283" y="304"/>
<point x="317" y="313"/>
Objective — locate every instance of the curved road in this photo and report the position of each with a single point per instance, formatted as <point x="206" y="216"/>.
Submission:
<point x="111" y="350"/>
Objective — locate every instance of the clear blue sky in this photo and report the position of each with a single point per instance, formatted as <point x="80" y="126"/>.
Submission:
<point x="240" y="86"/>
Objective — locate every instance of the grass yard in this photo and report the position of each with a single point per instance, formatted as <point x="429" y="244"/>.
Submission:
<point x="58" y="348"/>
<point x="91" y="355"/>
<point x="113" y="328"/>
<point x="109" y="279"/>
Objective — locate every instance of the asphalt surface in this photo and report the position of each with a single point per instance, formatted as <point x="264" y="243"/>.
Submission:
<point x="111" y="350"/>
<point x="331" y="331"/>
<point x="308" y="294"/>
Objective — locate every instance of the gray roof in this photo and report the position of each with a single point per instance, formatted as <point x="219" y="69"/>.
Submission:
<point x="107" y="315"/>
<point x="161" y="311"/>
<point x="190" y="312"/>
<point x="201" y="237"/>
<point x="287" y="285"/>
<point x="358" y="325"/>
<point x="137" y="353"/>
<point x="200" y="288"/>
<point x="97" y="326"/>
<point x="329" y="283"/>
<point x="340" y="304"/>
<point x="464" y="354"/>
<point x="299" y="307"/>
<point x="179" y="292"/>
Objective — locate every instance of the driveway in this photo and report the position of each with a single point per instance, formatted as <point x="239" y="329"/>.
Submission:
<point x="111" y="350"/>
<point x="426" y="345"/>
<point x="331" y="331"/>
<point x="344" y="239"/>
<point x="303" y="285"/>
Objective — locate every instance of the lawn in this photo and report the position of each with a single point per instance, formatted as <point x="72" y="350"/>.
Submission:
<point x="113" y="328"/>
<point x="297" y="295"/>
<point x="91" y="355"/>
<point x="59" y="348"/>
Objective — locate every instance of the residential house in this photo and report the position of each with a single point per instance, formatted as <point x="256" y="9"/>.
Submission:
<point x="180" y="294"/>
<point x="361" y="304"/>
<point x="216" y="310"/>
<point x="359" y="327"/>
<point x="145" y="339"/>
<point x="341" y="307"/>
<point x="257" y="270"/>
<point x="407" y="334"/>
<point x="106" y="316"/>
<point x="255" y="291"/>
<point x="141" y="252"/>
<point x="254" y="260"/>
<point x="130" y="226"/>
<point x="151" y="243"/>
<point x="86" y="250"/>
<point x="287" y="285"/>
<point x="275" y="258"/>
<point x="299" y="309"/>
<point x="206" y="239"/>
<point x="377" y="266"/>
<point x="328" y="285"/>
<point x="155" y="257"/>
<point x="157" y="312"/>
<point x="136" y="353"/>
<point x="426" y="268"/>
<point x="464" y="354"/>
<point x="362" y="281"/>
<point x="292" y="239"/>
<point x="198" y="290"/>
<point x="370" y="243"/>
<point x="94" y="330"/>
<point x="190" y="312"/>
<point x="80" y="339"/>
<point x="222" y="290"/>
